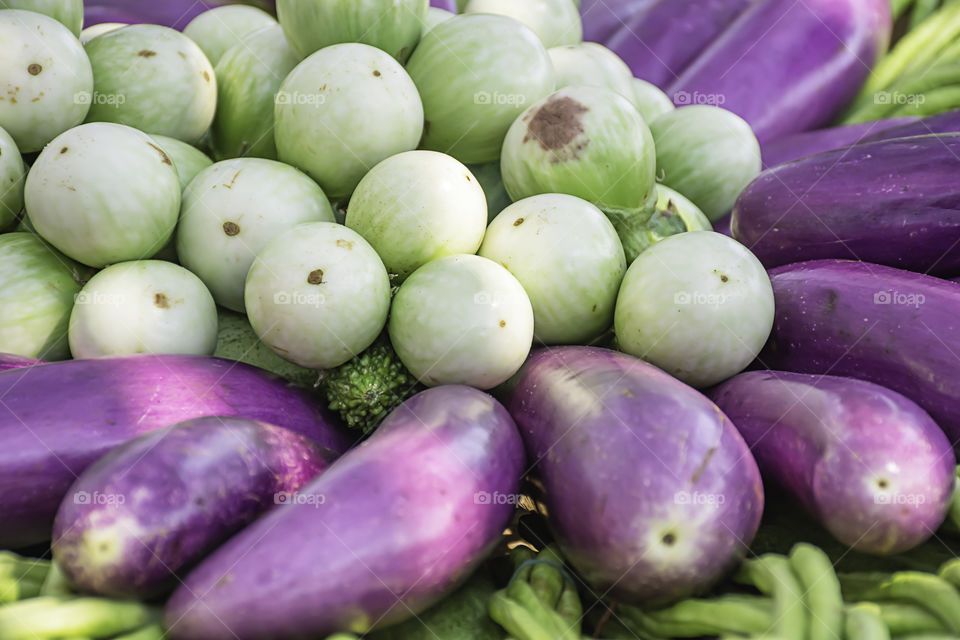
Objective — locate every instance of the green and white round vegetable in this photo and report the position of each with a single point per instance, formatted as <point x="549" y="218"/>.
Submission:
<point x="417" y="206"/>
<point x="248" y="78"/>
<point x="462" y="320"/>
<point x="95" y="30"/>
<point x="588" y="142"/>
<point x="488" y="175"/>
<point x="103" y="193"/>
<point x="187" y="159"/>
<point x="650" y="100"/>
<point x="477" y="73"/>
<point x="556" y="22"/>
<point x="568" y="258"/>
<point x="37" y="288"/>
<point x="435" y="16"/>
<point x="144" y="306"/>
<point x="45" y="78"/>
<point x="318" y="294"/>
<point x="154" y="79"/>
<point x="698" y="305"/>
<point x="12" y="173"/>
<point x="217" y="30"/>
<point x="343" y="110"/>
<point x="69" y="13"/>
<point x="708" y="154"/>
<point x="591" y="64"/>
<point x="232" y="210"/>
<point x="390" y="25"/>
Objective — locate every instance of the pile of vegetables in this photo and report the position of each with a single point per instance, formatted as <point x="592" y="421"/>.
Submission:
<point x="479" y="320"/>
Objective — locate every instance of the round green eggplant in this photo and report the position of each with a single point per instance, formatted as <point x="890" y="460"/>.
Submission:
<point x="217" y="30"/>
<point x="556" y="22"/>
<point x="187" y="159"/>
<point x="69" y="13"/>
<point x="591" y="64"/>
<point x="650" y="100"/>
<point x="12" y="173"/>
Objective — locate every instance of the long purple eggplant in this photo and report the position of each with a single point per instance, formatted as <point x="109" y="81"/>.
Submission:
<point x="154" y="506"/>
<point x="808" y="143"/>
<point x="393" y="526"/>
<point x="893" y="202"/>
<point x="865" y="461"/>
<point x="660" y="43"/>
<point x="12" y="361"/>
<point x="57" y="419"/>
<point x="786" y="66"/>
<point x="602" y="18"/>
<point x="948" y="122"/>
<point x="896" y="328"/>
<point x="650" y="490"/>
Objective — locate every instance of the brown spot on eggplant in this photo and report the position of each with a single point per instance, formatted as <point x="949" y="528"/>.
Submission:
<point x="376" y="73"/>
<point x="345" y="244"/>
<point x="556" y="124"/>
<point x="831" y="302"/>
<point x="160" y="300"/>
<point x="669" y="539"/>
<point x="233" y="180"/>
<point x="34" y="69"/>
<point x="164" y="158"/>
<point x="503" y="323"/>
<point x="518" y="222"/>
<point x="703" y="465"/>
<point x="315" y="277"/>
<point x="146" y="53"/>
<point x="206" y="76"/>
<point x="231" y="228"/>
<point x="64" y="149"/>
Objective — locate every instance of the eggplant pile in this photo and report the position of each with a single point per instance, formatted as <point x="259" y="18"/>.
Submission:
<point x="479" y="320"/>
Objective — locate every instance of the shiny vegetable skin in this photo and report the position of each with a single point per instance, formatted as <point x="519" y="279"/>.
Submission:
<point x="866" y="462"/>
<point x="154" y="506"/>
<point x="13" y="361"/>
<point x="801" y="145"/>
<point x="391" y="528"/>
<point x="948" y="122"/>
<point x="753" y="69"/>
<point x="896" y="328"/>
<point x="619" y="442"/>
<point x="659" y="43"/>
<point x="893" y="202"/>
<point x="58" y="419"/>
<point x="602" y="18"/>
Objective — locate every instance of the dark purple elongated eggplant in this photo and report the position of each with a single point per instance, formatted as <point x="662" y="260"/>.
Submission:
<point x="896" y="328"/>
<point x="894" y="202"/>
<point x="135" y="520"/>
<point x="390" y="528"/>
<point x="787" y="66"/>
<point x="650" y="490"/>
<point x="602" y="18"/>
<point x="57" y="419"/>
<point x="948" y="122"/>
<point x="12" y="361"/>
<point x="660" y="43"/>
<point x="866" y="462"/>
<point x="808" y="143"/>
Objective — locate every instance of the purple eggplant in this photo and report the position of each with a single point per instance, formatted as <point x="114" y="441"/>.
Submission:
<point x="13" y="361"/>
<point x="154" y="506"/>
<point x="393" y="526"/>
<point x="894" y="202"/>
<point x="786" y="66"/>
<point x="865" y="461"/>
<point x="57" y="419"/>
<point x="651" y="492"/>
<point x="448" y="5"/>
<point x="896" y="328"/>
<point x="603" y="18"/>
<point x="808" y="143"/>
<point x="948" y="122"/>
<point x="661" y="42"/>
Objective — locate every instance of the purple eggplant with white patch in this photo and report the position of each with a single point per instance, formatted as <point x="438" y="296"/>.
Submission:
<point x="895" y="328"/>
<point x="390" y="528"/>
<point x="134" y="521"/>
<point x="650" y="490"/>
<point x="894" y="202"/>
<point x="866" y="462"/>
<point x="57" y="419"/>
<point x="787" y="66"/>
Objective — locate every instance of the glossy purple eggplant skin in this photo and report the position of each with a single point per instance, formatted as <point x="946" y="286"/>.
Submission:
<point x="895" y="328"/>
<point x="651" y="491"/>
<point x="865" y="461"/>
<point x="660" y="43"/>
<point x="787" y="66"/>
<point x="12" y="361"/>
<point x="948" y="122"/>
<point x="808" y="143"/>
<point x="603" y="18"/>
<point x="392" y="527"/>
<point x="134" y="521"/>
<point x="57" y="419"/>
<point x="894" y="202"/>
<point x="448" y="5"/>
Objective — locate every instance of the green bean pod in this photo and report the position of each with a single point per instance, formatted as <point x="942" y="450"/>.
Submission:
<point x="863" y="622"/>
<point x="821" y="591"/>
<point x="926" y="590"/>
<point x="773" y="575"/>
